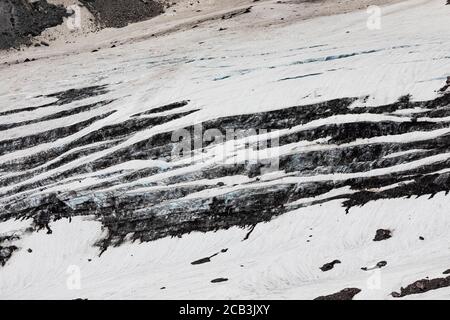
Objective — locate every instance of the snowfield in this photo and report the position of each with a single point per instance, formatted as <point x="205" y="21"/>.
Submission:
<point x="93" y="204"/>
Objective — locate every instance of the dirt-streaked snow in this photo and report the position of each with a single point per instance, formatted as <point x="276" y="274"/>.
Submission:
<point x="226" y="73"/>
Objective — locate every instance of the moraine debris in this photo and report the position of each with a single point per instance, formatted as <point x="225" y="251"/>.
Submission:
<point x="345" y="294"/>
<point x="421" y="286"/>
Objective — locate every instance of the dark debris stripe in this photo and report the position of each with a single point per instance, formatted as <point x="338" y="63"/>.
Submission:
<point x="62" y="98"/>
<point x="165" y="211"/>
<point x="58" y="115"/>
<point x="422" y="286"/>
<point x="119" y="131"/>
<point x="11" y="145"/>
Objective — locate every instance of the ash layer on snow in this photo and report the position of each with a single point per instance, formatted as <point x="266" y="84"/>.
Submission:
<point x="167" y="212"/>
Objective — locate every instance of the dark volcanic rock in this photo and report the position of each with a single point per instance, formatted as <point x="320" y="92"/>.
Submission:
<point x="447" y="84"/>
<point x="119" y="13"/>
<point x="201" y="261"/>
<point x="382" y="234"/>
<point x="329" y="266"/>
<point x="345" y="294"/>
<point x="379" y="265"/>
<point x="219" y="280"/>
<point x="6" y="250"/>
<point x="422" y="286"/>
<point x="20" y="20"/>
<point x="6" y="253"/>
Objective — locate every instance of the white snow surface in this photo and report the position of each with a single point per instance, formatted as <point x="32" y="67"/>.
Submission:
<point x="239" y="71"/>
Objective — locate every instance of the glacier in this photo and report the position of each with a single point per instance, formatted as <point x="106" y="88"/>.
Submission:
<point x="93" y="204"/>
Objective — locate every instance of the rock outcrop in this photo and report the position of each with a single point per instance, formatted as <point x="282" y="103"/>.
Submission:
<point x="21" y="19"/>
